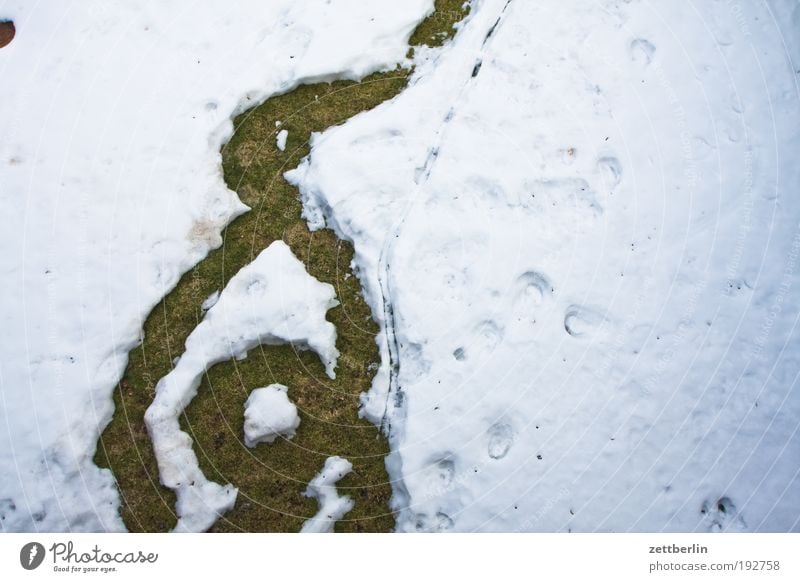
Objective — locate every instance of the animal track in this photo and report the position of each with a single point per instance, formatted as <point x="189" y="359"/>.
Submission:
<point x="377" y="137"/>
<point x="413" y="362"/>
<point x="611" y="169"/>
<point x="486" y="336"/>
<point x="529" y="291"/>
<point x="642" y="51"/>
<point x="580" y="320"/>
<point x="443" y="521"/>
<point x="441" y="472"/>
<point x="256" y="287"/>
<point x="722" y="515"/>
<point x="501" y="437"/>
<point x="7" y="507"/>
<point x="569" y="192"/>
<point x="438" y="523"/>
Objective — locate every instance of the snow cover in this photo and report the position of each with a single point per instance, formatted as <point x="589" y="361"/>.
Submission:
<point x="269" y="414"/>
<point x="578" y="229"/>
<point x="280" y="140"/>
<point x="322" y="487"/>
<point x="110" y="187"/>
<point x="271" y="301"/>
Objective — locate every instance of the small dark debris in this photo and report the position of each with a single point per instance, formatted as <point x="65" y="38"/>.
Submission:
<point x="7" y="32"/>
<point x="476" y="69"/>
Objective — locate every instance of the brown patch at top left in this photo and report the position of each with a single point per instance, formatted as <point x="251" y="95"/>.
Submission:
<point x="7" y="32"/>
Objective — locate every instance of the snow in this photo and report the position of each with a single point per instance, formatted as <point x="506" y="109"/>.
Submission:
<point x="280" y="140"/>
<point x="269" y="414"/>
<point x="578" y="233"/>
<point x="271" y="301"/>
<point x="110" y="188"/>
<point x="210" y="301"/>
<point x="322" y="487"/>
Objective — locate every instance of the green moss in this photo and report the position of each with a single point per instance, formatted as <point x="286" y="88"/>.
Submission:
<point x="271" y="478"/>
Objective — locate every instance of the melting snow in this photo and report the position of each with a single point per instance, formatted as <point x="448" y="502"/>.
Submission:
<point x="273" y="300"/>
<point x="269" y="414"/>
<point x="579" y="234"/>
<point x="280" y="141"/>
<point x="110" y="188"/>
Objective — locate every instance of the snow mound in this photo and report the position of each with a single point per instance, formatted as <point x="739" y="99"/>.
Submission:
<point x="332" y="507"/>
<point x="273" y="300"/>
<point x="281" y="138"/>
<point x="269" y="414"/>
<point x="578" y="232"/>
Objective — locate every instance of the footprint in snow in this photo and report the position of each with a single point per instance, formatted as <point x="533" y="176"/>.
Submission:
<point x="441" y="472"/>
<point x="501" y="437"/>
<point x="641" y="51"/>
<point x="440" y="522"/>
<point x="722" y="515"/>
<point x="583" y="321"/>
<point x="486" y="336"/>
<point x="611" y="170"/>
<point x="529" y="292"/>
<point x="531" y="289"/>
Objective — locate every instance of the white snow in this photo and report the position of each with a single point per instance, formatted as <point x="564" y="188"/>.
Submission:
<point x="210" y="301"/>
<point x="280" y="140"/>
<point x="577" y="229"/>
<point x="110" y="187"/>
<point x="269" y="414"/>
<point x="271" y="301"/>
<point x="579" y="232"/>
<point x="322" y="487"/>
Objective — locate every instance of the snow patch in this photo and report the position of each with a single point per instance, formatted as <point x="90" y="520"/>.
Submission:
<point x="280" y="140"/>
<point x="269" y="414"/>
<point x="332" y="507"/>
<point x="273" y="300"/>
